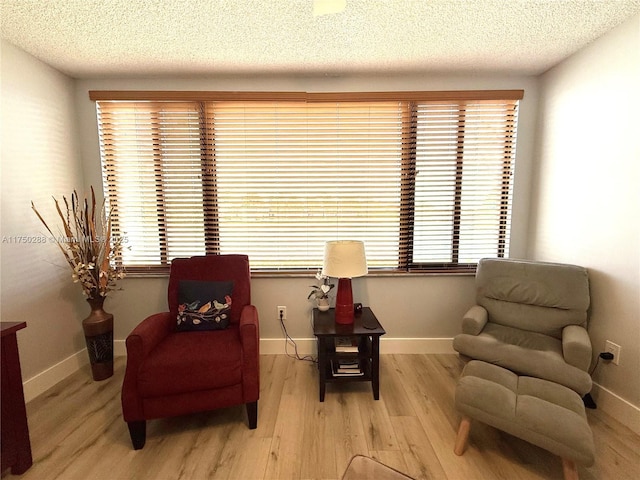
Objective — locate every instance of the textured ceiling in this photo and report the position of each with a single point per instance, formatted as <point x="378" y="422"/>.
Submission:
<point x="89" y="38"/>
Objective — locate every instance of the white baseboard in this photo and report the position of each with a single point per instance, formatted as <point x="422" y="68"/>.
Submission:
<point x="276" y="346"/>
<point x="416" y="345"/>
<point x="620" y="409"/>
<point x="46" y="379"/>
<point x="119" y="348"/>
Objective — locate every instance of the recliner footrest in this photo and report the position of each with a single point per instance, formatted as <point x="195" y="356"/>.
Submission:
<point x="541" y="412"/>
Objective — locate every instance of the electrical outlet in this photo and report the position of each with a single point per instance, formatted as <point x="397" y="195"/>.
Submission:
<point x="613" y="348"/>
<point x="283" y="309"/>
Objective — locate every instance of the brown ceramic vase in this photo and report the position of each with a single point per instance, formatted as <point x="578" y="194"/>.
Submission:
<point x="98" y="333"/>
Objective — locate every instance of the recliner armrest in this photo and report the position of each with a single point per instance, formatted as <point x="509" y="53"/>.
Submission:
<point x="148" y="334"/>
<point x="140" y="342"/>
<point x="249" y="331"/>
<point x="250" y="338"/>
<point x="474" y="320"/>
<point x="576" y="346"/>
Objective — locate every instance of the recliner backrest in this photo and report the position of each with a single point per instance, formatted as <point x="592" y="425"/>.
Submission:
<point x="535" y="296"/>
<point x="210" y="268"/>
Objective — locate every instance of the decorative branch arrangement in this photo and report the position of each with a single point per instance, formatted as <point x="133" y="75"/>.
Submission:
<point x="88" y="246"/>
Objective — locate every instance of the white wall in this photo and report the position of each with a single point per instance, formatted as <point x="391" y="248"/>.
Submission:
<point x="408" y="307"/>
<point x="40" y="158"/>
<point x="587" y="193"/>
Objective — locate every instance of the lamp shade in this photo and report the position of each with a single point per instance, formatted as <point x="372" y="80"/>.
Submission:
<point x="344" y="259"/>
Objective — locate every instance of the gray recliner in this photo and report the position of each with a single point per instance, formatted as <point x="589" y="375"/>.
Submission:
<point x="531" y="318"/>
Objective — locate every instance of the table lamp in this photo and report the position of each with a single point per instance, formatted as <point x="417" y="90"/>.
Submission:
<point x="344" y="260"/>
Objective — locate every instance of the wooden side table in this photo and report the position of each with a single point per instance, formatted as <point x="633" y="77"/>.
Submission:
<point x="365" y="333"/>
<point x="16" y="446"/>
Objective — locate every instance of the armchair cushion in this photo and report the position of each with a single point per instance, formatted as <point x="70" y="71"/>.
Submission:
<point x="526" y="353"/>
<point x="203" y="305"/>
<point x="182" y="363"/>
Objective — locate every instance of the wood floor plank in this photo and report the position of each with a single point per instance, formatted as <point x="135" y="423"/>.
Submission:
<point x="319" y="460"/>
<point x="347" y="429"/>
<point x="394" y="393"/>
<point x="273" y="372"/>
<point x="285" y="456"/>
<point x="77" y="432"/>
<point x="420" y="458"/>
<point x="378" y="428"/>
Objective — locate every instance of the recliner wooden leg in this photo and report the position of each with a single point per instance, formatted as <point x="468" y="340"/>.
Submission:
<point x="252" y="414"/>
<point x="138" y="433"/>
<point x="463" y="436"/>
<point x="569" y="469"/>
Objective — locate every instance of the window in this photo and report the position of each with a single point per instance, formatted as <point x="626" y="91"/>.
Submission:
<point x="423" y="178"/>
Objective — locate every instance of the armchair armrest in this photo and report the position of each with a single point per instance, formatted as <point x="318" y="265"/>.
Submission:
<point x="474" y="320"/>
<point x="148" y="334"/>
<point x="142" y="340"/>
<point x="576" y="347"/>
<point x="249" y="330"/>
<point x="250" y="338"/>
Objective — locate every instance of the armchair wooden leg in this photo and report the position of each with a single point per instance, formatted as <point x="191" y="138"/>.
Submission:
<point x="252" y="414"/>
<point x="463" y="436"/>
<point x="138" y="433"/>
<point x="569" y="469"/>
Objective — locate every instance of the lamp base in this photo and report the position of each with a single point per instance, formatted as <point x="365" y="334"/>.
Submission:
<point x="344" y="302"/>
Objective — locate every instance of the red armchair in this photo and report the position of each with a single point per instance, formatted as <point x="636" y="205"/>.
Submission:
<point x="171" y="373"/>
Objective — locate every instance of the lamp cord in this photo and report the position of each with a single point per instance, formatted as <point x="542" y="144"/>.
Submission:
<point x="288" y="339"/>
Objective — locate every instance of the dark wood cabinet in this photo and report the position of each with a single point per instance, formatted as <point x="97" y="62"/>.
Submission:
<point x="364" y="335"/>
<point x="16" y="446"/>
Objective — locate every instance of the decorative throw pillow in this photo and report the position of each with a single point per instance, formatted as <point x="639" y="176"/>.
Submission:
<point x="203" y="305"/>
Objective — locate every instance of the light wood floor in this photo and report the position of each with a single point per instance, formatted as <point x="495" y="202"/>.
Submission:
<point x="77" y="432"/>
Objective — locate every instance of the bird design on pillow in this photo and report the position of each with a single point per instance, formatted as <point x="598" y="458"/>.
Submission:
<point x="213" y="311"/>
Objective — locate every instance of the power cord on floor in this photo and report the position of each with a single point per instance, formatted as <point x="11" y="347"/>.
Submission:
<point x="289" y="340"/>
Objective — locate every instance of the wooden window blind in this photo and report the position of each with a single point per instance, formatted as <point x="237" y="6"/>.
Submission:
<point x="153" y="177"/>
<point x="465" y="154"/>
<point x="424" y="183"/>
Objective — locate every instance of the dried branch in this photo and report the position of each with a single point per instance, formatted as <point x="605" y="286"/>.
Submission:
<point x="94" y="256"/>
